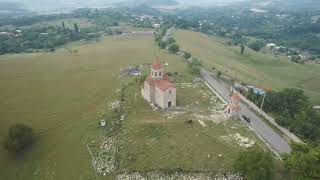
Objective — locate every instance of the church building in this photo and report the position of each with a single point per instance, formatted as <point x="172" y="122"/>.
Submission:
<point x="157" y="89"/>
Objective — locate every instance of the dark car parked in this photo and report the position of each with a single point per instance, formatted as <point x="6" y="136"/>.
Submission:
<point x="246" y="118"/>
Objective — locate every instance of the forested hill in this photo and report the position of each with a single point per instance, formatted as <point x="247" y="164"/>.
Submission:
<point x="150" y="3"/>
<point x="288" y="5"/>
<point x="160" y="2"/>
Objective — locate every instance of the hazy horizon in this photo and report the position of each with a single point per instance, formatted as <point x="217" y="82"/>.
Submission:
<point x="65" y="5"/>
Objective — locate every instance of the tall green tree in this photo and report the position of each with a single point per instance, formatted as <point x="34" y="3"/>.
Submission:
<point x="303" y="161"/>
<point x="174" y="48"/>
<point x="195" y="66"/>
<point x="256" y="45"/>
<point x="254" y="164"/>
<point x="162" y="44"/>
<point x="19" y="137"/>
<point x="76" y="28"/>
<point x="63" y="26"/>
<point x="187" y="55"/>
<point x="241" y="49"/>
<point x="171" y="40"/>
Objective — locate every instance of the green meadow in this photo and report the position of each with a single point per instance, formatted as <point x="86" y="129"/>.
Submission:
<point x="62" y="95"/>
<point x="263" y="70"/>
<point x="58" y="95"/>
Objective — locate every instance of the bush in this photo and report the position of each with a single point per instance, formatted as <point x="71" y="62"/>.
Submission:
<point x="303" y="161"/>
<point x="162" y="45"/>
<point x="219" y="74"/>
<point x="171" y="40"/>
<point x="187" y="55"/>
<point x="254" y="164"/>
<point x="19" y="137"/>
<point x="256" y="45"/>
<point x="174" y="48"/>
<point x="195" y="66"/>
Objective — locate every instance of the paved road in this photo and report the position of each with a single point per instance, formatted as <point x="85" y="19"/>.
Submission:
<point x="274" y="140"/>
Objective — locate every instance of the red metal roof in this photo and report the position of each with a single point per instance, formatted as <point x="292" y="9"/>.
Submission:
<point x="162" y="84"/>
<point x="235" y="96"/>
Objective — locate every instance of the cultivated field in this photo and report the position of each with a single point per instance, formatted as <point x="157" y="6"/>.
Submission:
<point x="262" y="70"/>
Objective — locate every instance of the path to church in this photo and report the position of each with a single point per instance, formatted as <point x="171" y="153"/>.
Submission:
<point x="272" y="138"/>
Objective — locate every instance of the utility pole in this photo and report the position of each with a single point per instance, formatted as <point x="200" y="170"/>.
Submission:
<point x="264" y="96"/>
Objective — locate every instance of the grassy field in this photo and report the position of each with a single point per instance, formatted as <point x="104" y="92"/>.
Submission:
<point x="58" y="95"/>
<point x="62" y="94"/>
<point x="256" y="68"/>
<point x="162" y="140"/>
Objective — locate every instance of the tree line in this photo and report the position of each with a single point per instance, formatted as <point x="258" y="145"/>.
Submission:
<point x="291" y="109"/>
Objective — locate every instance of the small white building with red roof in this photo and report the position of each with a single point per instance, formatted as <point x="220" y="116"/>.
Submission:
<point x="158" y="89"/>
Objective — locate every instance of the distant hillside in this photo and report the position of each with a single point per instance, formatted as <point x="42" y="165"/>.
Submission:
<point x="150" y="3"/>
<point x="68" y="5"/>
<point x="289" y="5"/>
<point x="160" y="2"/>
<point x="209" y="2"/>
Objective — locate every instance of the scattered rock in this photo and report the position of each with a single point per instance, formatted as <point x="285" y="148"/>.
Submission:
<point x="243" y="141"/>
<point x="104" y="162"/>
<point x="115" y="104"/>
<point x="202" y="123"/>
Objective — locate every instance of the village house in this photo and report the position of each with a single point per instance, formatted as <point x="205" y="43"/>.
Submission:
<point x="158" y="89"/>
<point x="156" y="25"/>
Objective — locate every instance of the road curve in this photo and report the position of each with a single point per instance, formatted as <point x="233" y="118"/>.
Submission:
<point x="275" y="141"/>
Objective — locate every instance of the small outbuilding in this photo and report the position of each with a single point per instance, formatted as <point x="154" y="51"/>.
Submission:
<point x="135" y="72"/>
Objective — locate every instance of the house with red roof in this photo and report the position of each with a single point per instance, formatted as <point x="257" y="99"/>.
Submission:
<point x="158" y="89"/>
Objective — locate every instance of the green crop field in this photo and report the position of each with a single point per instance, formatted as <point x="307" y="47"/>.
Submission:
<point x="255" y="68"/>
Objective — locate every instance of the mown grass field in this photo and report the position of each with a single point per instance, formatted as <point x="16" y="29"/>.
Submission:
<point x="256" y="68"/>
<point x="58" y="95"/>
